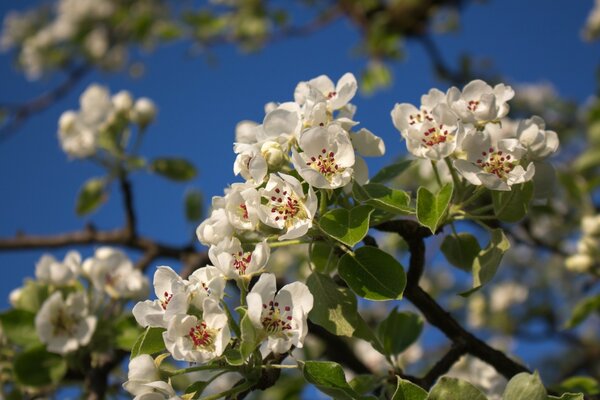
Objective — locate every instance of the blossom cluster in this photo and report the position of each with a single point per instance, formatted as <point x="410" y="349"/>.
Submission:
<point x="588" y="246"/>
<point x="67" y="318"/>
<point x="90" y="31"/>
<point x="470" y="128"/>
<point x="591" y="30"/>
<point x="100" y="119"/>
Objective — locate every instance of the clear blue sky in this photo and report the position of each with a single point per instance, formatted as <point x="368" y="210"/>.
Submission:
<point x="528" y="41"/>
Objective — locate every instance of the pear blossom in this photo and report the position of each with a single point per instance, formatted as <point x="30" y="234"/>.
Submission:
<point x="479" y="103"/>
<point x="233" y="262"/>
<point x="241" y="206"/>
<point x="590" y="225"/>
<point x="206" y="282"/>
<point x="111" y="271"/>
<point x="282" y="316"/>
<point x="496" y="164"/>
<point x="144" y="111"/>
<point x="367" y="144"/>
<point x="246" y="132"/>
<point x="591" y="30"/>
<point x="433" y="134"/>
<point x="215" y="228"/>
<point x="143" y="380"/>
<point x="122" y="101"/>
<point x="65" y="325"/>
<point x="50" y="270"/>
<point x="282" y="124"/>
<point x="189" y="338"/>
<point x="172" y="299"/>
<point x="76" y="139"/>
<point x="250" y="162"/>
<point x="327" y="157"/>
<point x="539" y="142"/>
<point x="287" y="207"/>
<point x="322" y="88"/>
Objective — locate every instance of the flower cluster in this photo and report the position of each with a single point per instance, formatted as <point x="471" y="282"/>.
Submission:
<point x="591" y="30"/>
<point x="101" y="120"/>
<point x="67" y="316"/>
<point x="588" y="247"/>
<point x="470" y="128"/>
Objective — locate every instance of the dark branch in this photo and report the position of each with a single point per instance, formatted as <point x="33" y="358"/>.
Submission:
<point x="440" y="368"/>
<point x="130" y="218"/>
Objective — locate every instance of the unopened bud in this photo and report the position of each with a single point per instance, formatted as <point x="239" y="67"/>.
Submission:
<point x="122" y="101"/>
<point x="66" y="121"/>
<point x="144" y="111"/>
<point x="273" y="154"/>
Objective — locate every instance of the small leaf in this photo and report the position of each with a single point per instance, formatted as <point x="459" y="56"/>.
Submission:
<point x="36" y="367"/>
<point x="329" y="378"/>
<point x="399" y="330"/>
<point x="461" y="250"/>
<point x="33" y="294"/>
<point x="373" y="274"/>
<point x="382" y="197"/>
<point x="568" y="396"/>
<point x="176" y="169"/>
<point x="391" y="172"/>
<point x="149" y="342"/>
<point x="250" y="339"/>
<point x="406" y="390"/>
<point x="364" y="383"/>
<point x="487" y="261"/>
<point x="583" y="310"/>
<point x="585" y="384"/>
<point x="19" y="327"/>
<point x="347" y="226"/>
<point x="455" y="389"/>
<point x="324" y="257"/>
<point x="91" y="195"/>
<point x="525" y="386"/>
<point x="193" y="205"/>
<point x="194" y="391"/>
<point x="512" y="206"/>
<point x="127" y="333"/>
<point x="233" y="357"/>
<point x="432" y="208"/>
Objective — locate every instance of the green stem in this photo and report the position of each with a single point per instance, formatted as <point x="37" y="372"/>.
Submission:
<point x="436" y="173"/>
<point x="236" y="389"/>
<point x="279" y="366"/>
<point x="232" y="322"/>
<point x="323" y="202"/>
<point x="243" y="286"/>
<point x="200" y="368"/>
<point x="283" y="243"/>
<point x="476" y="194"/>
<point x="482" y="209"/>
<point x="455" y="178"/>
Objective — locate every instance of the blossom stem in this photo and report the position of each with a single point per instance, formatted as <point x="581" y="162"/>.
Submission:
<point x="279" y="366"/>
<point x="457" y="182"/>
<point x="436" y="173"/>
<point x="476" y="194"/>
<point x="200" y="368"/>
<point x="290" y="242"/>
<point x="482" y="209"/>
<point x="236" y="389"/>
<point x="323" y="202"/>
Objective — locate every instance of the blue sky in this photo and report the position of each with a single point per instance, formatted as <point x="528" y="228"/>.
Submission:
<point x="199" y="106"/>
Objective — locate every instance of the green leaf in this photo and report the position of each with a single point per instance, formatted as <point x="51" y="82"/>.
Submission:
<point x="193" y="205"/>
<point x="383" y="198"/>
<point x="233" y="357"/>
<point x="337" y="310"/>
<point x="455" y="389"/>
<point x="250" y="337"/>
<point x="149" y="342"/>
<point x="406" y="390"/>
<point x="461" y="250"/>
<point x="194" y="391"/>
<point x="36" y="367"/>
<point x="525" y="386"/>
<point x="587" y="160"/>
<point x="512" y="206"/>
<point x="375" y="76"/>
<point x="568" y="396"/>
<point x="373" y="274"/>
<point x="127" y="333"/>
<point x="91" y="195"/>
<point x="391" y="172"/>
<point x="487" y="261"/>
<point x="32" y="296"/>
<point x="364" y="383"/>
<point x="19" y="327"/>
<point x="347" y="226"/>
<point x="176" y="169"/>
<point x="329" y="378"/>
<point x="582" y="310"/>
<point x="399" y="330"/>
<point x="432" y="208"/>
<point x="324" y="257"/>
<point x="585" y="384"/>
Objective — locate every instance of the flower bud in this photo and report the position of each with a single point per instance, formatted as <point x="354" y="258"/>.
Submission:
<point x="273" y="154"/>
<point x="67" y="121"/>
<point x="579" y="262"/>
<point x="15" y="296"/>
<point x="122" y="101"/>
<point x="144" y="111"/>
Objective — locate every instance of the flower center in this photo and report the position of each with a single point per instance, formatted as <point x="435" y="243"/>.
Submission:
<point x="202" y="337"/>
<point x="472" y="105"/>
<point x="495" y="162"/>
<point x="63" y="323"/>
<point x="435" y="135"/>
<point x="325" y="164"/>
<point x="166" y="299"/>
<point x="241" y="261"/>
<point x="276" y="320"/>
<point x="419" y="117"/>
<point x="244" y="211"/>
<point x="286" y="207"/>
<point x="330" y="95"/>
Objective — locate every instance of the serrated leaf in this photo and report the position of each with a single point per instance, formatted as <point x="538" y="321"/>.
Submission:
<point x="406" y="390"/>
<point x="461" y="250"/>
<point x="176" y="169"/>
<point x="582" y="310"/>
<point x="432" y="208"/>
<point x="525" y="386"/>
<point x="347" y="226"/>
<point x="19" y="327"/>
<point x="36" y="367"/>
<point x="487" y="261"/>
<point x="391" y="172"/>
<point x="512" y="206"/>
<point x="455" y="389"/>
<point x="91" y="195"/>
<point x="324" y="257"/>
<point x="373" y="274"/>
<point x="149" y="342"/>
<point x="399" y="330"/>
<point x="329" y="378"/>
<point x="193" y="205"/>
<point x="384" y="198"/>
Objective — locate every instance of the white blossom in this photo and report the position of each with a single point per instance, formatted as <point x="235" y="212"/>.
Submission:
<point x="322" y="88"/>
<point x="215" y="228"/>
<point x="539" y="142"/>
<point x="144" y="111"/>
<point x="233" y="262"/>
<point x="64" y="326"/>
<point x="49" y="270"/>
<point x="242" y="202"/>
<point x="206" y="282"/>
<point x="282" y="316"/>
<point x="479" y="103"/>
